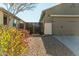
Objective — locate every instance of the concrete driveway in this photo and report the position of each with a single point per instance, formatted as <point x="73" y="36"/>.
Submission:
<point x="72" y="42"/>
<point x="54" y="47"/>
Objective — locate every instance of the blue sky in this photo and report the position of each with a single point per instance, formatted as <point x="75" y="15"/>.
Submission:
<point x="34" y="15"/>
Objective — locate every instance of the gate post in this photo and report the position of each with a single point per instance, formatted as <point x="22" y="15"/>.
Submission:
<point x="24" y="26"/>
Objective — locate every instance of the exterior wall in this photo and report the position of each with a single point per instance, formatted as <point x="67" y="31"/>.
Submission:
<point x="64" y="9"/>
<point x="48" y="28"/>
<point x="61" y="9"/>
<point x="10" y="18"/>
<point x="1" y="18"/>
<point x="65" y="26"/>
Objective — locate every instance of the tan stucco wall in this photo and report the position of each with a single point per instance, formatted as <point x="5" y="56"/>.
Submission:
<point x="10" y="18"/>
<point x="61" y="9"/>
<point x="10" y="22"/>
<point x="64" y="9"/>
<point x="1" y="18"/>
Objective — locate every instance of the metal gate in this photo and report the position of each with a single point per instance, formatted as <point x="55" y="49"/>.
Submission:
<point x="35" y="28"/>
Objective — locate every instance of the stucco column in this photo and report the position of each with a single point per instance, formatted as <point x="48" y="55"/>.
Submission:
<point x="11" y="22"/>
<point x="17" y="24"/>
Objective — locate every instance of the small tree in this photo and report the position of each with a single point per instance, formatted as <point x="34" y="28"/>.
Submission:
<point x="15" y="8"/>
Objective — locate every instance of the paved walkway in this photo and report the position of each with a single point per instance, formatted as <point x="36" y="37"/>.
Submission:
<point x="36" y="47"/>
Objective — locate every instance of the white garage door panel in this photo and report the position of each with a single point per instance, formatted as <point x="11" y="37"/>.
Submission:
<point x="48" y="28"/>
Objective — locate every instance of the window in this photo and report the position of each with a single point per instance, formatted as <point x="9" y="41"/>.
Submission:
<point x="14" y="23"/>
<point x="5" y="20"/>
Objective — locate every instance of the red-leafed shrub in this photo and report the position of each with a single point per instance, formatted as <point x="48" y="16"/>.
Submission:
<point x="13" y="41"/>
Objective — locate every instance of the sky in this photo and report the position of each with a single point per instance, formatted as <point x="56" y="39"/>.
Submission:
<point x="34" y="15"/>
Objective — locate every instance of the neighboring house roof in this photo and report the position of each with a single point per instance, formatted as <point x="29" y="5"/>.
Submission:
<point x="62" y="9"/>
<point x="9" y="13"/>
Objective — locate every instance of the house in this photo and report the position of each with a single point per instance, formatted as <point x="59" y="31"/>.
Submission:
<point x="62" y="19"/>
<point x="9" y="19"/>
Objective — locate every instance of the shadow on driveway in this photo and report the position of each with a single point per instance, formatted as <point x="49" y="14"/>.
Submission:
<point x="55" y="47"/>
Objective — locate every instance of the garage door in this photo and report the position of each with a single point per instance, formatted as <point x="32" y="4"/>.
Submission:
<point x="65" y="27"/>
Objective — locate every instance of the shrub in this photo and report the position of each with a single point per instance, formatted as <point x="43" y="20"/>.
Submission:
<point x="13" y="41"/>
